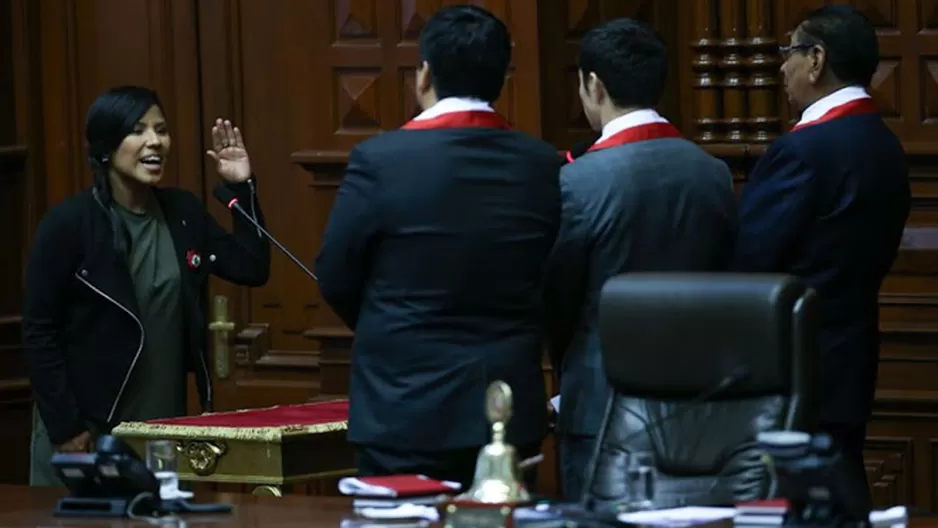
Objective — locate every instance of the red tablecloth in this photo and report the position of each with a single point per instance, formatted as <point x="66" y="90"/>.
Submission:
<point x="306" y="414"/>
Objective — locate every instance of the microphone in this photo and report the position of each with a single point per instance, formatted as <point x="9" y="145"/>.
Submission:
<point x="226" y="196"/>
<point x="738" y="375"/>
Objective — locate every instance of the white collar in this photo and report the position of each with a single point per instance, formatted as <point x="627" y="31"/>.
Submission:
<point x="830" y="101"/>
<point x="631" y="120"/>
<point x="454" y="104"/>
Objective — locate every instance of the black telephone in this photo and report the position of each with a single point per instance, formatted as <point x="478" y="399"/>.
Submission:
<point x="114" y="482"/>
<point x="103" y="483"/>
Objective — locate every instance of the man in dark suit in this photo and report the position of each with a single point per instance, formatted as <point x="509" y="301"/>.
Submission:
<point x="640" y="199"/>
<point x="828" y="202"/>
<point x="434" y="255"/>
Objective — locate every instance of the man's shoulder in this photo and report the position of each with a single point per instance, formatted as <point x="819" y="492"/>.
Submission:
<point x="867" y="129"/>
<point x="404" y="140"/>
<point x="627" y="153"/>
<point x="633" y="156"/>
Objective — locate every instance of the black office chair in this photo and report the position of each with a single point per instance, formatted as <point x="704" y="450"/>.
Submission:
<point x="698" y="364"/>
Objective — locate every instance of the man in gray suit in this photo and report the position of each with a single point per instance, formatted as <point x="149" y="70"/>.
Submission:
<point x="640" y="199"/>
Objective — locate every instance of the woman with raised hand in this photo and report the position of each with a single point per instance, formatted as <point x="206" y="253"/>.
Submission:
<point x="114" y="315"/>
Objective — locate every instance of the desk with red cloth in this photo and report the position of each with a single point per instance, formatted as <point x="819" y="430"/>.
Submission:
<point x="266" y="447"/>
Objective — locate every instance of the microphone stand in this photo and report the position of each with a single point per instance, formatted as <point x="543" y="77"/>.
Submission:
<point x="235" y="206"/>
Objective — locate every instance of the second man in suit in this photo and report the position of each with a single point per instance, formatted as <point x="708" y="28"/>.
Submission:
<point x="640" y="199"/>
<point x="434" y="255"/>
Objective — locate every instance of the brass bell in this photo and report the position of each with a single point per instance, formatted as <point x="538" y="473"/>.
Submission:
<point x="497" y="477"/>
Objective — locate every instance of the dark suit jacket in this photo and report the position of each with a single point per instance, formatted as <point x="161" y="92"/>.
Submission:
<point x="434" y="255"/>
<point x="656" y="205"/>
<point x="828" y="203"/>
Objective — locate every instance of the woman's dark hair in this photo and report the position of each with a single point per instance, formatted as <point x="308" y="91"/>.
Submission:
<point x="111" y="118"/>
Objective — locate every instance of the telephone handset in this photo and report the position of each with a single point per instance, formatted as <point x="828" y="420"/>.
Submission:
<point x="106" y="482"/>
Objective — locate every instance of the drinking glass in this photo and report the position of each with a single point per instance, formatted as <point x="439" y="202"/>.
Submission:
<point x="161" y="461"/>
<point x="640" y="480"/>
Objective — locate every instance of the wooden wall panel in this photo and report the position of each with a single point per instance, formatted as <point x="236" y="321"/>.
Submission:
<point x="18" y="151"/>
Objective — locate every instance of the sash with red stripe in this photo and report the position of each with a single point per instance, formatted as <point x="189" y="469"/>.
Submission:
<point x="862" y="106"/>
<point x="464" y="119"/>
<point x="661" y="130"/>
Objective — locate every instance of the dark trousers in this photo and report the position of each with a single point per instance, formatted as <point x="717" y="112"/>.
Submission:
<point x="575" y="454"/>
<point x="851" y="438"/>
<point x="456" y="465"/>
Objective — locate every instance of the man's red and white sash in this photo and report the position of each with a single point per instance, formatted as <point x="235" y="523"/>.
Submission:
<point x="454" y="112"/>
<point x="849" y="101"/>
<point x="641" y="125"/>
<point x="467" y="119"/>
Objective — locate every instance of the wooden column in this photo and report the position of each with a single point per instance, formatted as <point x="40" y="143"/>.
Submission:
<point x="762" y="64"/>
<point x="732" y="92"/>
<point x="707" y="103"/>
<point x="733" y="67"/>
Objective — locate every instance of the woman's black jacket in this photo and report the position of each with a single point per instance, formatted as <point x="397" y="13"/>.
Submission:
<point x="82" y="332"/>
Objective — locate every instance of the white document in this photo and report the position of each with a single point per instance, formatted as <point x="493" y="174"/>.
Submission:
<point x="404" y="511"/>
<point x="895" y="516"/>
<point x="678" y="516"/>
<point x="555" y="403"/>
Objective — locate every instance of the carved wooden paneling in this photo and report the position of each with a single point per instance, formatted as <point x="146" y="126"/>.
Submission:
<point x="900" y="452"/>
<point x="370" y="53"/>
<point x="889" y="468"/>
<point x="904" y="87"/>
<point x="18" y="210"/>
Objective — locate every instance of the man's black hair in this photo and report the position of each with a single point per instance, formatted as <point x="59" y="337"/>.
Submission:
<point x="468" y="50"/>
<point x="629" y="58"/>
<point x="850" y="41"/>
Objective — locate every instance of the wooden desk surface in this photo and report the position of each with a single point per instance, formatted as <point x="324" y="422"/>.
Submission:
<point x="22" y="506"/>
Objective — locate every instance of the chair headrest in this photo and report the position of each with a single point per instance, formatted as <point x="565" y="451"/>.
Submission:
<point x="679" y="334"/>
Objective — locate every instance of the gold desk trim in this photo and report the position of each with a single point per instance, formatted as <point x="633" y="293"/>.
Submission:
<point x="275" y="481"/>
<point x="250" y="434"/>
<point x="259" y="456"/>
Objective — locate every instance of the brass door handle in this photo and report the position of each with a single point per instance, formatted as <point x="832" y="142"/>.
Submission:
<point x="220" y="327"/>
